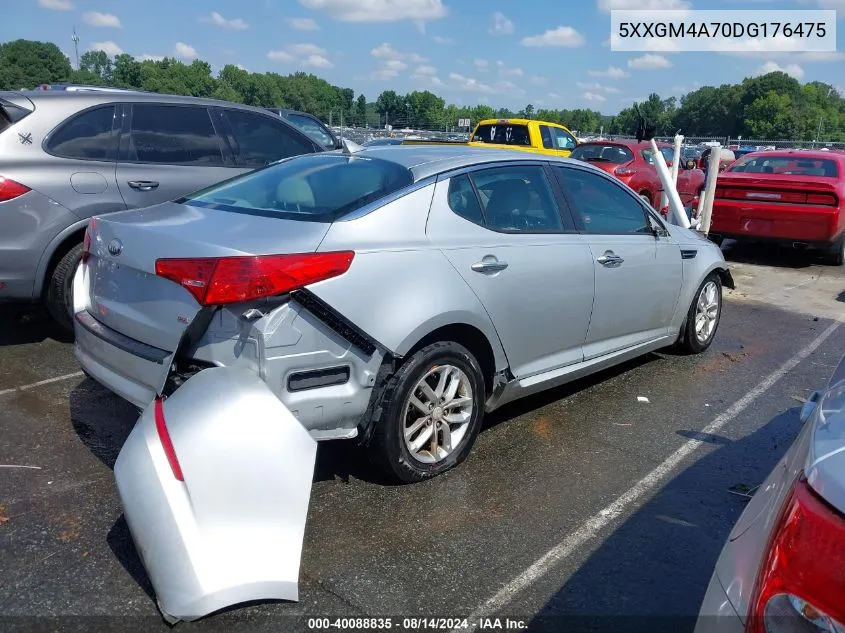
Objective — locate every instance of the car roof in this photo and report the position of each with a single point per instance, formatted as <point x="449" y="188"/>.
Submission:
<point x="516" y="121"/>
<point x="430" y="160"/>
<point x="87" y="98"/>
<point x="624" y="142"/>
<point x="802" y="154"/>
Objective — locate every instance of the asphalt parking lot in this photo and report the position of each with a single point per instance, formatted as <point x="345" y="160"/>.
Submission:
<point x="579" y="509"/>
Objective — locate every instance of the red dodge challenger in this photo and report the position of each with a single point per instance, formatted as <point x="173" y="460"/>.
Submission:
<point x="789" y="196"/>
<point x="633" y="164"/>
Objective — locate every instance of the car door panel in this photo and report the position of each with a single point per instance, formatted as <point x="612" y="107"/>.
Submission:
<point x="82" y="160"/>
<point x="168" y="151"/>
<point x="536" y="288"/>
<point x="637" y="273"/>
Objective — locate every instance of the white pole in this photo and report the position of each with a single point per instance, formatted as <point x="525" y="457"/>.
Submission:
<point x="710" y="188"/>
<point x="676" y="160"/>
<point x="675" y="206"/>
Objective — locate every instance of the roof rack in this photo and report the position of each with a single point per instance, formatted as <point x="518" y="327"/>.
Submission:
<point x="83" y="88"/>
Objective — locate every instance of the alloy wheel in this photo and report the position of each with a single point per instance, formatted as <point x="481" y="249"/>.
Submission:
<point x="437" y="414"/>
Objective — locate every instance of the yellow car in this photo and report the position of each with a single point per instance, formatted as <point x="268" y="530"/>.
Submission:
<point x="524" y="134"/>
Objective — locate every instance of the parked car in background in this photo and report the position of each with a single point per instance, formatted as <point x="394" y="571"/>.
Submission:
<point x="377" y="142"/>
<point x="793" y="197"/>
<point x="394" y="294"/>
<point x="633" y="163"/>
<point x="66" y="155"/>
<point x="311" y="126"/>
<point x="525" y="135"/>
<point x="782" y="567"/>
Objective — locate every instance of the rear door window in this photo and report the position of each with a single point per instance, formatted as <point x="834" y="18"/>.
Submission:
<point x="315" y="130"/>
<point x="517" y="200"/>
<point x="260" y="140"/>
<point x="547" y="136"/>
<point x="90" y="135"/>
<point x="502" y="134"/>
<point x="173" y="135"/>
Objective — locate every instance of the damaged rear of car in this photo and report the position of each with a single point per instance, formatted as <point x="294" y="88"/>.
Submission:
<point x="147" y="317"/>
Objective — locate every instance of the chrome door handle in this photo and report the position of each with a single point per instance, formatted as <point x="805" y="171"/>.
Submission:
<point x="489" y="266"/>
<point x="143" y="185"/>
<point x="609" y="259"/>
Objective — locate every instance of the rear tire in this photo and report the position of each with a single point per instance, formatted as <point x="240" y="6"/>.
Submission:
<point x="703" y="317"/>
<point x="835" y="256"/>
<point x="59" y="297"/>
<point x="395" y="435"/>
<point x="647" y="199"/>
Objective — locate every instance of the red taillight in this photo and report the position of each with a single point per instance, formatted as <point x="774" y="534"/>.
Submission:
<point x="164" y="438"/>
<point x="826" y="199"/>
<point x="9" y="189"/>
<point x="218" y="281"/>
<point x="803" y="572"/>
<point x="624" y="171"/>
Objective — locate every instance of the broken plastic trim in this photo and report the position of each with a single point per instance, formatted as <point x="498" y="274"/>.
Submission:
<point x="232" y="531"/>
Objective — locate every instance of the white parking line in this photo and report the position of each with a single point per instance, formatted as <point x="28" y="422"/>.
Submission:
<point x="592" y="526"/>
<point x="76" y="374"/>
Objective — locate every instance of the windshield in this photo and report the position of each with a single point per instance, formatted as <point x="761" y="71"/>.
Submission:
<point x="668" y="155"/>
<point x="312" y="129"/>
<point x="603" y="153"/>
<point x="786" y="165"/>
<point x="315" y="187"/>
<point x="502" y="134"/>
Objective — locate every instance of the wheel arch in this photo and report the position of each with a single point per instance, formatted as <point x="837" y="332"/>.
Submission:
<point x="56" y="249"/>
<point x="469" y="337"/>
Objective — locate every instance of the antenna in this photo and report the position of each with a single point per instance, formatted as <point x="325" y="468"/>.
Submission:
<point x="75" y="39"/>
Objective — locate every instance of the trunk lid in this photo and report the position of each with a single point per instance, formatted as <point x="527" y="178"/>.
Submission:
<point x="776" y="188"/>
<point x="124" y="292"/>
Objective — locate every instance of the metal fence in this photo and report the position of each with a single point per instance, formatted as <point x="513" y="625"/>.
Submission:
<point x="362" y="135"/>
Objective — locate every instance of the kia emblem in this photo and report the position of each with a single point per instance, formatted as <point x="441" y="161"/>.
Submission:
<point x="115" y="247"/>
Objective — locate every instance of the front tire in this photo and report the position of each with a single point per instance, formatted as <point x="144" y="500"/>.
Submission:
<point x="59" y="295"/>
<point x="430" y="413"/>
<point x="703" y="316"/>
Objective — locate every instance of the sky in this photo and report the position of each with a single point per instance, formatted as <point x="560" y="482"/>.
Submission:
<point x="505" y="54"/>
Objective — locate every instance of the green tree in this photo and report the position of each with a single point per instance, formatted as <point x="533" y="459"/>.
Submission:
<point x="27" y="64"/>
<point x="361" y="110"/>
<point x="127" y="72"/>
<point x="771" y="117"/>
<point x="389" y="103"/>
<point x="97" y="64"/>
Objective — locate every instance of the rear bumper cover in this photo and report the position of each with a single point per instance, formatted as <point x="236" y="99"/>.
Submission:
<point x="818" y="226"/>
<point x="232" y="531"/>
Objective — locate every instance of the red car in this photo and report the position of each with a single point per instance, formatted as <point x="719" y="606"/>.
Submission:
<point x="785" y="196"/>
<point x="633" y="164"/>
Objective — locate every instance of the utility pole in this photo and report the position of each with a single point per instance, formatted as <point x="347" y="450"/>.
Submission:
<point x="75" y="39"/>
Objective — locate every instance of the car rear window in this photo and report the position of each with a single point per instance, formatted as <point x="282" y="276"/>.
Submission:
<point x="317" y="188"/>
<point x="10" y="113"/>
<point x="314" y="130"/>
<point x="786" y="165"/>
<point x="616" y="154"/>
<point x="502" y="134"/>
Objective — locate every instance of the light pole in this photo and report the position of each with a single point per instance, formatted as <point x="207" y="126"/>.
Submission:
<point x="75" y="39"/>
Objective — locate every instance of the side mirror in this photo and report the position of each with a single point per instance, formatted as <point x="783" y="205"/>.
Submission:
<point x="809" y="407"/>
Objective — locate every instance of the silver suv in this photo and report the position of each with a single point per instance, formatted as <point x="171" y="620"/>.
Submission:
<point x="68" y="155"/>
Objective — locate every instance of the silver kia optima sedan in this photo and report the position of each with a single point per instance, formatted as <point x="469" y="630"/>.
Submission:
<point x="394" y="294"/>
